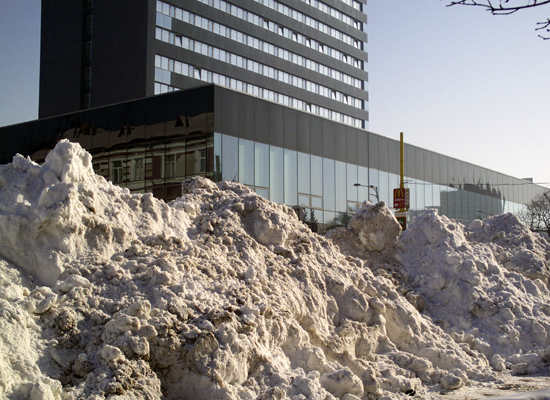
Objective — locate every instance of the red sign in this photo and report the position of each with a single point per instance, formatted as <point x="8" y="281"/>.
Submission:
<point x="401" y="198"/>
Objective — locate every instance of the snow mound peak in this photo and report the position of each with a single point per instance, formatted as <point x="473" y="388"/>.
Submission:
<point x="53" y="214"/>
<point x="375" y="226"/>
<point x="69" y="163"/>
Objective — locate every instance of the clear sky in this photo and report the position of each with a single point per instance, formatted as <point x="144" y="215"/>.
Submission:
<point x="461" y="82"/>
<point x="455" y="80"/>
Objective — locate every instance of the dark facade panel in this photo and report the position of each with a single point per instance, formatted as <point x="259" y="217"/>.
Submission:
<point x="303" y="136"/>
<point x="383" y="154"/>
<point x="340" y="147"/>
<point x="394" y="157"/>
<point x="374" y="151"/>
<point x="230" y="117"/>
<point x="363" y="148"/>
<point x="316" y="138"/>
<point x="428" y="166"/>
<point x="290" y="129"/>
<point x="410" y="165"/>
<point x="352" y="148"/>
<point x="329" y="138"/>
<point x="261" y="121"/>
<point x="276" y="125"/>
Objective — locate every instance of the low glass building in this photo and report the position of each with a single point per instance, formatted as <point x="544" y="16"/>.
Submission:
<point x="284" y="154"/>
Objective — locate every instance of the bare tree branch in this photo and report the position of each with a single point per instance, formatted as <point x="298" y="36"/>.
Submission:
<point x="503" y="6"/>
<point x="536" y="214"/>
<point x="506" y="7"/>
<point x="544" y="26"/>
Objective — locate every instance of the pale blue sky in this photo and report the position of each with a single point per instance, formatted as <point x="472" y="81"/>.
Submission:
<point x="455" y="80"/>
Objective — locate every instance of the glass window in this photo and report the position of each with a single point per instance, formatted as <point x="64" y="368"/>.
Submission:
<point x="138" y="169"/>
<point x="304" y="173"/>
<point x="303" y="200"/>
<point x="200" y="161"/>
<point x="329" y="188"/>
<point x="263" y="192"/>
<point x="316" y="175"/>
<point x="246" y="162"/>
<point x="384" y="187"/>
<point x="276" y="179"/>
<point x="230" y="158"/>
<point x="261" y="162"/>
<point x="373" y="185"/>
<point x="340" y="184"/>
<point x="363" y="179"/>
<point x="351" y="181"/>
<point x="116" y="171"/>
<point x="217" y="157"/>
<point x="291" y="177"/>
<point x="436" y="196"/>
<point x="170" y="166"/>
<point x="428" y="194"/>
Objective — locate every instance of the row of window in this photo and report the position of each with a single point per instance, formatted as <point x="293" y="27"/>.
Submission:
<point x="257" y="20"/>
<point x="165" y="22"/>
<point x="172" y="166"/>
<point x="256" y="67"/>
<point x="316" y="4"/>
<point x="315" y="24"/>
<point x="351" y="3"/>
<point x="165" y="65"/>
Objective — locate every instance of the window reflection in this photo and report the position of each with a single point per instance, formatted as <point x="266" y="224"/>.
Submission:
<point x="276" y="177"/>
<point x="329" y="194"/>
<point x="304" y="173"/>
<point x="246" y="161"/>
<point x="340" y="186"/>
<point x="351" y="181"/>
<point x="290" y="177"/>
<point x="230" y="158"/>
<point x="261" y="165"/>
<point x="316" y="175"/>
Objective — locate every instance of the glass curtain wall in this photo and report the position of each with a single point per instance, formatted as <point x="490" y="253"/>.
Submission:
<point x="327" y="189"/>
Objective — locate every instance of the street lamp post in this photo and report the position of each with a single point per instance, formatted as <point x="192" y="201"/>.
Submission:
<point x="370" y="187"/>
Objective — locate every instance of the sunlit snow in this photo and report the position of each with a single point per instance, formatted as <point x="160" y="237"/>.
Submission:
<point x="222" y="294"/>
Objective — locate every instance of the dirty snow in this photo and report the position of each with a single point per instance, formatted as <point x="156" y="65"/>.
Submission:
<point x="222" y="294"/>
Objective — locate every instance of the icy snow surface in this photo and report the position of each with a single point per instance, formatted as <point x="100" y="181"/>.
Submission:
<point x="222" y="294"/>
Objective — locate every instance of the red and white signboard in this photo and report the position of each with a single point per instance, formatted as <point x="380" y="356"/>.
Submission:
<point x="401" y="198"/>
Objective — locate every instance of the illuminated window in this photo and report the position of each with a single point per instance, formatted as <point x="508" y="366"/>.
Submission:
<point x="138" y="169"/>
<point x="170" y="166"/>
<point x="116" y="171"/>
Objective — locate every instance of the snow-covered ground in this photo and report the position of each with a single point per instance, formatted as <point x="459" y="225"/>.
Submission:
<point x="222" y="294"/>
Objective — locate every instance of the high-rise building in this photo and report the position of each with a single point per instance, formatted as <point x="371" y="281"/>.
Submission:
<point x="305" y="54"/>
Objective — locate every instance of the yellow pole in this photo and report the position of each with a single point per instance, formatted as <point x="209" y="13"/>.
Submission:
<point x="402" y="183"/>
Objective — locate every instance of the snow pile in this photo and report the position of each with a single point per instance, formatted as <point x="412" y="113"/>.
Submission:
<point x="54" y="214"/>
<point x="486" y="286"/>
<point x="222" y="294"/>
<point x="375" y="226"/>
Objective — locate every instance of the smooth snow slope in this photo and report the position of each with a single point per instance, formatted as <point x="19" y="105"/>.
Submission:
<point x="222" y="294"/>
